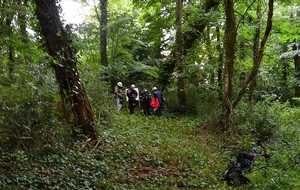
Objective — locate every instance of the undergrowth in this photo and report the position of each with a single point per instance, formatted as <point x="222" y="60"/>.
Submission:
<point x="139" y="152"/>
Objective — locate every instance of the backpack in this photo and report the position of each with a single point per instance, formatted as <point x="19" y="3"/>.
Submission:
<point x="244" y="160"/>
<point x="155" y="103"/>
<point x="234" y="175"/>
<point x="131" y="93"/>
<point x="146" y="96"/>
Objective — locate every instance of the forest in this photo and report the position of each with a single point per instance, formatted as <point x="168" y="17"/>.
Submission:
<point x="229" y="72"/>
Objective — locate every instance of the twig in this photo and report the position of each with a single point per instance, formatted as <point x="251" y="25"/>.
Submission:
<point x="20" y="138"/>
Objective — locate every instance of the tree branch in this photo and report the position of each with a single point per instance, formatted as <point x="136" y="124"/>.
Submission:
<point x="260" y="55"/>
<point x="20" y="138"/>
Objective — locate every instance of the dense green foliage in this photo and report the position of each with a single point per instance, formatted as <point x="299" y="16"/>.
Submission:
<point x="42" y="148"/>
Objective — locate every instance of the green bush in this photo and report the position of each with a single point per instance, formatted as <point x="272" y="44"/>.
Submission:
<point x="261" y="119"/>
<point x="276" y="124"/>
<point x="200" y="101"/>
<point x="32" y="126"/>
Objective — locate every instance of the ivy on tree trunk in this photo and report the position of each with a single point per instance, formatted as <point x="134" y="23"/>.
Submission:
<point x="179" y="57"/>
<point x="255" y="49"/>
<point x="71" y="87"/>
<point x="229" y="62"/>
<point x="297" y="71"/>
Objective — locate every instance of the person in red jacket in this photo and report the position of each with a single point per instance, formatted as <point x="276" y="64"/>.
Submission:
<point x="158" y="94"/>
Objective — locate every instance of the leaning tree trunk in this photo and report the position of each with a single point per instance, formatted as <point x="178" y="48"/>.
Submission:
<point x="71" y="87"/>
<point x="259" y="57"/>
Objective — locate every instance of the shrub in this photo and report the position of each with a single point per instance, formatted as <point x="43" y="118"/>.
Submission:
<point x="261" y="120"/>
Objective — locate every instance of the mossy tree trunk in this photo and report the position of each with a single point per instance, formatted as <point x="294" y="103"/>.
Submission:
<point x="179" y="57"/>
<point x="297" y="70"/>
<point x="71" y="87"/>
<point x="255" y="50"/>
<point x="102" y="19"/>
<point x="230" y="40"/>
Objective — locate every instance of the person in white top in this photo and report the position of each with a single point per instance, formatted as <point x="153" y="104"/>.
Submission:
<point x="118" y="95"/>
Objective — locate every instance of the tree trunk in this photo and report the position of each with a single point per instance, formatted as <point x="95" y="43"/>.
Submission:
<point x="71" y="87"/>
<point x="259" y="58"/>
<point x="297" y="70"/>
<point x="103" y="33"/>
<point x="22" y="22"/>
<point x="179" y="57"/>
<point x="11" y="52"/>
<point x="189" y="38"/>
<point x="285" y="71"/>
<point x="229" y="103"/>
<point x="255" y="50"/>
<point x="230" y="40"/>
<point x="211" y="52"/>
<point x="220" y="66"/>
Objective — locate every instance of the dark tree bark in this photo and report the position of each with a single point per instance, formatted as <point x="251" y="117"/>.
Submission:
<point x="71" y="87"/>
<point x="297" y="70"/>
<point x="103" y="32"/>
<point x="220" y="66"/>
<point x="230" y="40"/>
<point x="179" y="57"/>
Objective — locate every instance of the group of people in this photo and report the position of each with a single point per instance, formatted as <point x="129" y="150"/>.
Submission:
<point x="148" y="101"/>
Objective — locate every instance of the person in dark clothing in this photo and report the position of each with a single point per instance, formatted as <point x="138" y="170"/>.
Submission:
<point x="158" y="94"/>
<point x="132" y="94"/>
<point x="246" y="159"/>
<point x="145" y="97"/>
<point x="234" y="174"/>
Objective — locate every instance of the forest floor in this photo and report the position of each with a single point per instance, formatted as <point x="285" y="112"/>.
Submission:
<point x="135" y="152"/>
